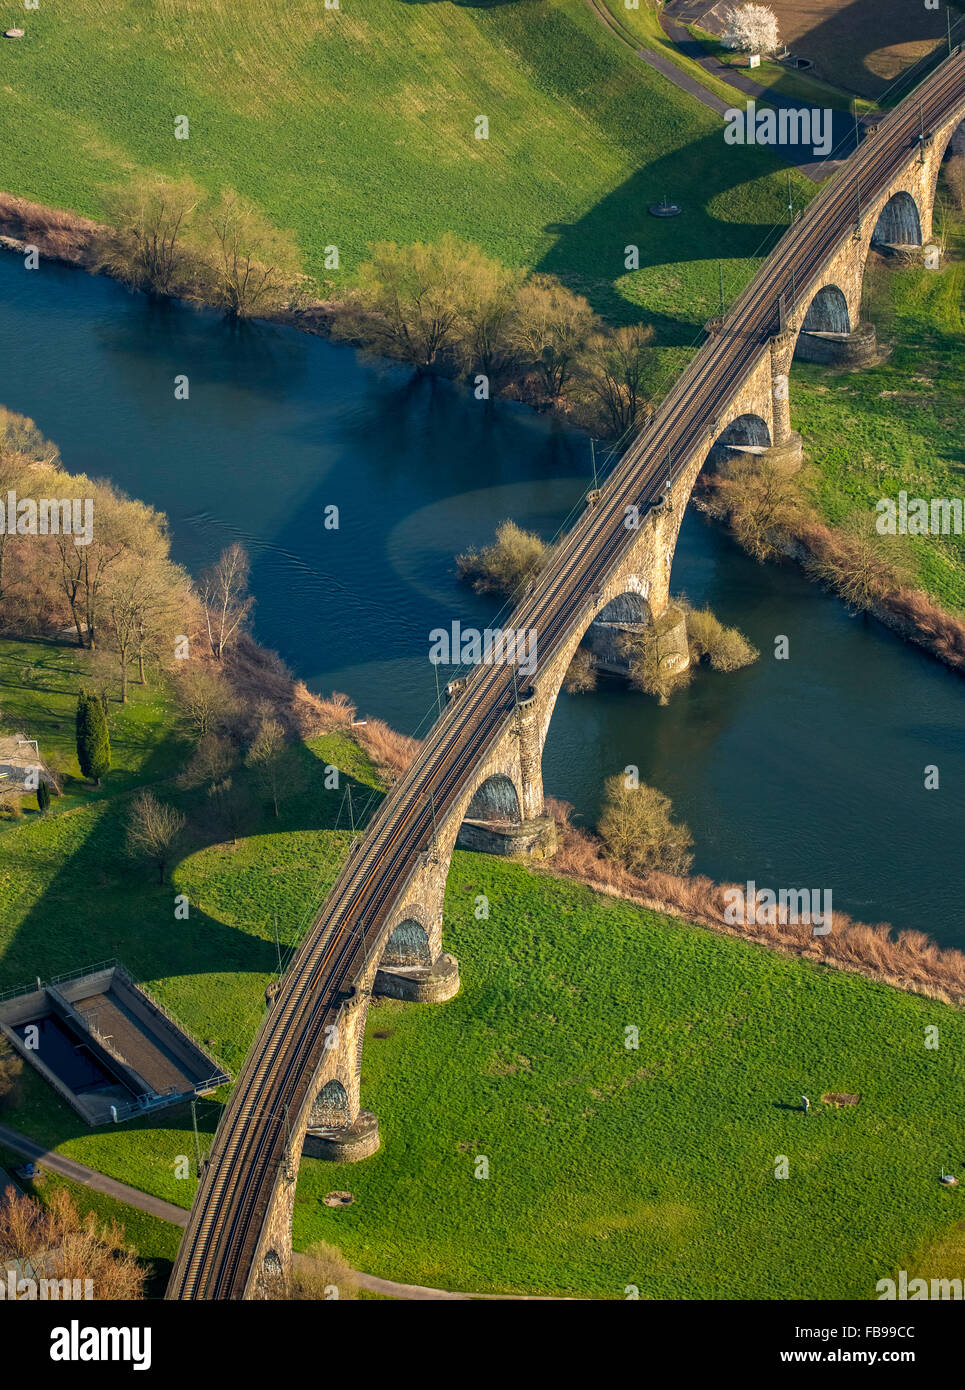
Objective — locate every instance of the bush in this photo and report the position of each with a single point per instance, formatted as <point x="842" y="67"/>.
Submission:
<point x="636" y="829"/>
<point x="580" y="674"/>
<point x="647" y="653"/>
<point x="726" y="648"/>
<point x="515" y="557"/>
<point x="861" y="565"/>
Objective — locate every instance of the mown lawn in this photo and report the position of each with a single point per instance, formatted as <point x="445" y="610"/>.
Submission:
<point x="608" y="1167"/>
<point x="874" y="432"/>
<point x="357" y="124"/>
<point x="39" y="683"/>
<point x="654" y="1167"/>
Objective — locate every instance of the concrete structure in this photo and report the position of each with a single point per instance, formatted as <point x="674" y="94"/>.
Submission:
<point x="139" y="1058"/>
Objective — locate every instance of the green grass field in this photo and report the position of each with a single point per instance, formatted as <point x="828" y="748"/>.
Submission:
<point x="897" y="426"/>
<point x="608" y="1166"/>
<point x="357" y="124"/>
<point x="39" y="681"/>
<point x="155" y="1241"/>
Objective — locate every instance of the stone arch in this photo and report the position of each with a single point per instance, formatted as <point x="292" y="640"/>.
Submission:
<point x="828" y="312"/>
<point x="496" y="799"/>
<point x="408" y="944"/>
<point x="272" y="1265"/>
<point x="748" y="433"/>
<point x="626" y="613"/>
<point x="899" y="222"/>
<point x="331" y="1107"/>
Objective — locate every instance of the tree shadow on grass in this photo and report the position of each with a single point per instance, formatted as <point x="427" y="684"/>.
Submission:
<point x="100" y="904"/>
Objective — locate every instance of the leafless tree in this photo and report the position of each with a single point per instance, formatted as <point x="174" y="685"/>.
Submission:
<point x="153" y="830"/>
<point x="225" y="598"/>
<point x="253" y="266"/>
<point x="266" y="756"/>
<point x="551" y="329"/>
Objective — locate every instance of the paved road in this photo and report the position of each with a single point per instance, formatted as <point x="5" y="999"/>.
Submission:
<point x="842" y="125"/>
<point x="89" y="1177"/>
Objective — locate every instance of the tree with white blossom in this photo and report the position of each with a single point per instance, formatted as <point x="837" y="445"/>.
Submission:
<point x="750" y="29"/>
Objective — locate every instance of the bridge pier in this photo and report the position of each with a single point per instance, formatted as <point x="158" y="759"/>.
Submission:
<point x="419" y="984"/>
<point x="856" y="349"/>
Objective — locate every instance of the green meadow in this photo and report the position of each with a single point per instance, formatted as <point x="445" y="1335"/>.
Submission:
<point x="608" y="1166"/>
<point x="873" y="432"/>
<point x="358" y="124"/>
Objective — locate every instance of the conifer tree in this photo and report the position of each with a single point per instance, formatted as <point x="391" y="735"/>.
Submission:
<point x="93" y="742"/>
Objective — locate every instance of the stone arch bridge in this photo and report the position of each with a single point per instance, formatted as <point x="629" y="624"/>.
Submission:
<point x="478" y="774"/>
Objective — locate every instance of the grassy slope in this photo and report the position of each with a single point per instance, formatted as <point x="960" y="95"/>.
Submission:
<point x="899" y="425"/>
<point x="608" y="1166"/>
<point x="654" y="1167"/>
<point x="355" y="125"/>
<point x="38" y="695"/>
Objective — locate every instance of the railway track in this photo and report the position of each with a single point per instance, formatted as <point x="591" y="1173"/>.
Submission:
<point x="253" y="1139"/>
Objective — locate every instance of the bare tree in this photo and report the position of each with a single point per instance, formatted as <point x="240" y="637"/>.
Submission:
<point x="861" y="565"/>
<point x="59" y="1243"/>
<point x="146" y="247"/>
<point x="416" y="299"/>
<point x="636" y="829"/>
<point x="254" y="267"/>
<point x="266" y="756"/>
<point x="763" y="501"/>
<point x="225" y="598"/>
<point x="551" y="329"/>
<point x="207" y="700"/>
<point x="153" y="830"/>
<point x="616" y="368"/>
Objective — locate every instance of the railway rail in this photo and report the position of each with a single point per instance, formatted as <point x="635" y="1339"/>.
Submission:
<point x="253" y="1139"/>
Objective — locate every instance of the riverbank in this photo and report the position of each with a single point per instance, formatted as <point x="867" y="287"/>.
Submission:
<point x="913" y="613"/>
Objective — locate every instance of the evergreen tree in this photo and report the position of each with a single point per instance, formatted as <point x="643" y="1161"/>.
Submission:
<point x="43" y="797"/>
<point x="93" y="743"/>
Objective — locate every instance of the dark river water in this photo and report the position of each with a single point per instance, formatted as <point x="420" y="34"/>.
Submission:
<point x="803" y="772"/>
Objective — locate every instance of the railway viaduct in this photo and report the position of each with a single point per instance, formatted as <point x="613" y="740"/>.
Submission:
<point x="496" y="801"/>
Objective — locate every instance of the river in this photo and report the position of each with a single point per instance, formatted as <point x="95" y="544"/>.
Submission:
<point x="800" y="772"/>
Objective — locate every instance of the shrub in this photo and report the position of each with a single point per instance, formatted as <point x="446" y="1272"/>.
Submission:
<point x="647" y="653"/>
<point x="726" y="648"/>
<point x="580" y="674"/>
<point x="861" y="565"/>
<point x="515" y="557"/>
<point x="636" y="829"/>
